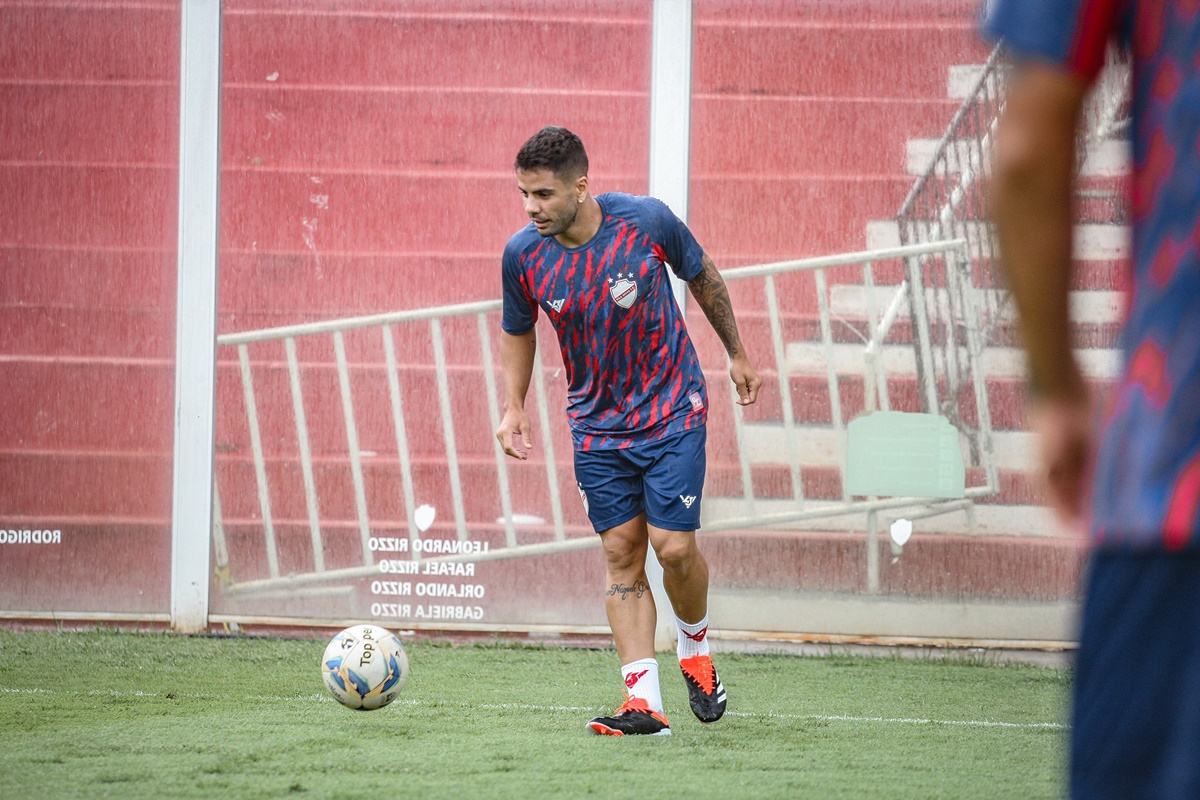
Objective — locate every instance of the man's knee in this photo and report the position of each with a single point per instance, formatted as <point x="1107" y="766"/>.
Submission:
<point x="624" y="548"/>
<point x="676" y="550"/>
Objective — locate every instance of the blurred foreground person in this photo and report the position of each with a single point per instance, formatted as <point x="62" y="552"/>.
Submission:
<point x="1133" y="481"/>
<point x="637" y="404"/>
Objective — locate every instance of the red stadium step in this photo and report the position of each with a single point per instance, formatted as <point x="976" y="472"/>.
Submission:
<point x="97" y="207"/>
<point x="82" y="404"/>
<point x="810" y="56"/>
<point x="792" y="136"/>
<point x="88" y="486"/>
<point x="1086" y="275"/>
<point x="46" y="122"/>
<point x="343" y="48"/>
<point x="390" y="213"/>
<point x="860" y="14"/>
<point x="840" y="208"/>
<point x="262" y="290"/>
<point x="378" y="44"/>
<point x="87" y="278"/>
<point x="106" y="41"/>
<point x="321" y="128"/>
<point x="54" y="332"/>
<point x="365" y="213"/>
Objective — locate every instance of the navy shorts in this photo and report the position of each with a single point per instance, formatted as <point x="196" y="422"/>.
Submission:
<point x="664" y="478"/>
<point x="1136" y="730"/>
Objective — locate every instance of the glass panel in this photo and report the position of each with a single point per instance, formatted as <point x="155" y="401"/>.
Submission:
<point x="367" y="154"/>
<point x="807" y="143"/>
<point x="88" y="153"/>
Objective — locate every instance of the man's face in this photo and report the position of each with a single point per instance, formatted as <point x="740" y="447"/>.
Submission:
<point x="550" y="203"/>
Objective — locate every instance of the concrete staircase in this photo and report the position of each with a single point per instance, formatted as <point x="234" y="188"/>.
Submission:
<point x="1097" y="306"/>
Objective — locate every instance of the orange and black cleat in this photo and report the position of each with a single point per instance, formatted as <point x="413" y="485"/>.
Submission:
<point x="633" y="718"/>
<point x="706" y="694"/>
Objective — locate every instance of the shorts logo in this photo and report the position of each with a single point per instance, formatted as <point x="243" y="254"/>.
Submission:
<point x="687" y="501"/>
<point x="556" y="305"/>
<point x="583" y="496"/>
<point x="623" y="292"/>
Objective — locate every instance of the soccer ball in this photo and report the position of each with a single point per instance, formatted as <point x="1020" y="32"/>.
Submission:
<point x="364" y="667"/>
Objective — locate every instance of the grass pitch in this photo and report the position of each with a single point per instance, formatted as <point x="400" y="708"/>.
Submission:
<point x="123" y="715"/>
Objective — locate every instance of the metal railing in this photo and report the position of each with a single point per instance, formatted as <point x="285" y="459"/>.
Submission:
<point x="843" y="299"/>
<point x="948" y="201"/>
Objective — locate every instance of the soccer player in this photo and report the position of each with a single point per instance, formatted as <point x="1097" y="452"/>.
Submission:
<point x="636" y="400"/>
<point x="1136" y="482"/>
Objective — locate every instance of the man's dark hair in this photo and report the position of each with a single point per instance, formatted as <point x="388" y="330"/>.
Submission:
<point x="555" y="149"/>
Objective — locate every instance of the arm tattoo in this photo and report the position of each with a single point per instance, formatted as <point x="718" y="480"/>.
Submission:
<point x="709" y="290"/>
<point x="639" y="588"/>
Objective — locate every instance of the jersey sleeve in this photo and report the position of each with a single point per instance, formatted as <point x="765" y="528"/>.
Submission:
<point x="683" y="252"/>
<point x="1072" y="34"/>
<point x="519" y="312"/>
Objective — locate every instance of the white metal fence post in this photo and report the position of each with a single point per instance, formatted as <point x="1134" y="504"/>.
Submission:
<point x="195" y="312"/>
<point x="670" y="132"/>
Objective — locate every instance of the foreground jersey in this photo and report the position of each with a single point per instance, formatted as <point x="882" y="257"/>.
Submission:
<point x="632" y="373"/>
<point x="1147" y="476"/>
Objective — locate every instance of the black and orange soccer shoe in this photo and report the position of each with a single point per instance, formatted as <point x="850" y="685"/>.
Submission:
<point x="706" y="694"/>
<point x="633" y="718"/>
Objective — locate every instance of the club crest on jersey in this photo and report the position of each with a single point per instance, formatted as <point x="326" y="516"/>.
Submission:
<point x="623" y="292"/>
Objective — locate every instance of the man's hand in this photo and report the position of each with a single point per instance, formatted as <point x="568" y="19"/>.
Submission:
<point x="515" y="434"/>
<point x="745" y="378"/>
<point x="1064" y="431"/>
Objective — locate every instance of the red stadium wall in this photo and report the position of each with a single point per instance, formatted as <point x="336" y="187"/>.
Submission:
<point x="365" y="167"/>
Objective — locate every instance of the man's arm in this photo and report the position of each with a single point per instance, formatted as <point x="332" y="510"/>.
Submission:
<point x="1031" y="196"/>
<point x="713" y="297"/>
<point x="516" y="365"/>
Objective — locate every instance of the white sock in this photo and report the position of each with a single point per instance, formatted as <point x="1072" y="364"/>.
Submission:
<point x="693" y="638"/>
<point x="641" y="680"/>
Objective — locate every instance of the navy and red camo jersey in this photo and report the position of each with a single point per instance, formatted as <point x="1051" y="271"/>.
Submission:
<point x="1146" y="483"/>
<point x="632" y="373"/>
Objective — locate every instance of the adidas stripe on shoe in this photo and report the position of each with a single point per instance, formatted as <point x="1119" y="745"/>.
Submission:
<point x="633" y="718"/>
<point x="706" y="694"/>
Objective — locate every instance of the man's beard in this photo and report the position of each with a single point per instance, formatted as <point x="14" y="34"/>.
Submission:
<point x="560" y="225"/>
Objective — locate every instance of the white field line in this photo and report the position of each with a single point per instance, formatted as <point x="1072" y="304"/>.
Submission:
<point x="321" y="698"/>
<point x="971" y="723"/>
